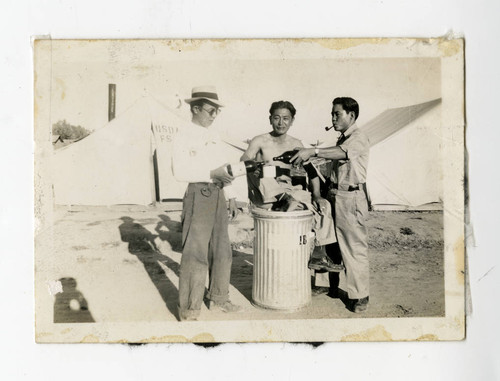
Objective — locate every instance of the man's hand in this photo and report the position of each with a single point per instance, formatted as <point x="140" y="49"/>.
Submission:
<point x="220" y="175"/>
<point x="303" y="155"/>
<point x="233" y="209"/>
<point x="319" y="203"/>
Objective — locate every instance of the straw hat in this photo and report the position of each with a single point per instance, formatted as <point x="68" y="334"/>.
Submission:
<point x="208" y="93"/>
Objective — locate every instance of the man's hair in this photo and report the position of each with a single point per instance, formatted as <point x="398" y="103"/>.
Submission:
<point x="348" y="104"/>
<point x="282" y="104"/>
<point x="200" y="103"/>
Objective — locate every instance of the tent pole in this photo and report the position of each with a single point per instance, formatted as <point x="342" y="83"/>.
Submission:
<point x="111" y="101"/>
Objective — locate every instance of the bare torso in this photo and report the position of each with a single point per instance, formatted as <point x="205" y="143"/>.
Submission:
<point x="266" y="146"/>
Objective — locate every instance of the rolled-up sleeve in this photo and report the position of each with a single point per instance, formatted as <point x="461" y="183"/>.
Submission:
<point x="357" y="145"/>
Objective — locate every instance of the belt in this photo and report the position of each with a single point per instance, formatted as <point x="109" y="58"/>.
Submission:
<point x="348" y="188"/>
<point x="208" y="185"/>
<point x="206" y="189"/>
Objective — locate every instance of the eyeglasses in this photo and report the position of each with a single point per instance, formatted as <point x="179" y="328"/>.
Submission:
<point x="213" y="111"/>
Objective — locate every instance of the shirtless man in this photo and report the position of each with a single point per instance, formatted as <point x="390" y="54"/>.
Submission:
<point x="266" y="146"/>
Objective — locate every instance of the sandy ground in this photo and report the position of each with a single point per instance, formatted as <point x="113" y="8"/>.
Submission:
<point x="121" y="264"/>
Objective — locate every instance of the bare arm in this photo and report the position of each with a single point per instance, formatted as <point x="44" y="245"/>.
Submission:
<point x="252" y="150"/>
<point x="318" y="201"/>
<point x="315" y="184"/>
<point x="332" y="153"/>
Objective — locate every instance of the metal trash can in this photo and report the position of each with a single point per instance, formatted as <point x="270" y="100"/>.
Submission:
<point x="282" y="247"/>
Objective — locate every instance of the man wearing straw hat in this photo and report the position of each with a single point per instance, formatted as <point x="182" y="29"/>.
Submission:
<point x="197" y="160"/>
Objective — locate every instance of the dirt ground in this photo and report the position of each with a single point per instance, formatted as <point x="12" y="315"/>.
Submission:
<point x="121" y="264"/>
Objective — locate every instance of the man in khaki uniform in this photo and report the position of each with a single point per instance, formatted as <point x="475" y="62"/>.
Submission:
<point x="347" y="196"/>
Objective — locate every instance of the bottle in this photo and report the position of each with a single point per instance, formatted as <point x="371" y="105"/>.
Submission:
<point x="299" y="174"/>
<point x="252" y="165"/>
<point x="243" y="167"/>
<point x="286" y="156"/>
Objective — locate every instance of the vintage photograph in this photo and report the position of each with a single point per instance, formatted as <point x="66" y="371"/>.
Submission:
<point x="305" y="190"/>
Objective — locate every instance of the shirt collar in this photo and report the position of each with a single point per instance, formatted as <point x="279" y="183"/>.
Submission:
<point x="349" y="131"/>
<point x="205" y="133"/>
<point x="199" y="129"/>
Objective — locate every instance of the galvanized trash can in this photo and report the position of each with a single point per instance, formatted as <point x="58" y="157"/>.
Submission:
<point x="282" y="247"/>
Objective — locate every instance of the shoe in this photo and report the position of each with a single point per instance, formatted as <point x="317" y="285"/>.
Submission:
<point x="226" y="306"/>
<point x="317" y="290"/>
<point x="189" y="315"/>
<point x="325" y="263"/>
<point x="359" y="305"/>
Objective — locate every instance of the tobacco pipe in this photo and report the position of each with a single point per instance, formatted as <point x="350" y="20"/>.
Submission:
<point x="328" y="128"/>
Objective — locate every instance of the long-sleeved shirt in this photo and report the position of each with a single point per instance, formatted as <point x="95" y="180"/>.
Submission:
<point x="196" y="151"/>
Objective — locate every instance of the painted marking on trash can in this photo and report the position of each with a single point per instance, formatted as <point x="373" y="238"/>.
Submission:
<point x="303" y="239"/>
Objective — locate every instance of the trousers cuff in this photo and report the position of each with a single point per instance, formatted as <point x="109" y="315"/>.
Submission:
<point x="217" y="298"/>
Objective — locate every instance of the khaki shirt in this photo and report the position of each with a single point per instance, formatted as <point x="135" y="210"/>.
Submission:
<point x="352" y="170"/>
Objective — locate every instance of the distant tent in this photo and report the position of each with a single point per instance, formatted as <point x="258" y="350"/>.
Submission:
<point x="404" y="169"/>
<point x="128" y="161"/>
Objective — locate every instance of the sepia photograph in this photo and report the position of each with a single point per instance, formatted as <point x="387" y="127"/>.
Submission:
<point x="249" y="190"/>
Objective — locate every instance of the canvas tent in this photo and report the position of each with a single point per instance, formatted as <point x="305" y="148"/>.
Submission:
<point x="404" y="169"/>
<point x="128" y="161"/>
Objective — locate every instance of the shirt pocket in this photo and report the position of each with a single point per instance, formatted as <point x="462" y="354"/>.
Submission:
<point x="344" y="169"/>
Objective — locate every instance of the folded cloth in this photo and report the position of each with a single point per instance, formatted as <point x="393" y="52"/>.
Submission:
<point x="295" y="199"/>
<point x="318" y="167"/>
<point x="324" y="226"/>
<point x="270" y="188"/>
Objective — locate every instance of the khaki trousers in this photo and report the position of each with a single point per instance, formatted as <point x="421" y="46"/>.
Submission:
<point x="350" y="213"/>
<point x="206" y="247"/>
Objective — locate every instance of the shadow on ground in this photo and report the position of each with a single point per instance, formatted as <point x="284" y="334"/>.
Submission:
<point x="242" y="273"/>
<point x="170" y="231"/>
<point x="242" y="268"/>
<point x="141" y="243"/>
<point x="70" y="305"/>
